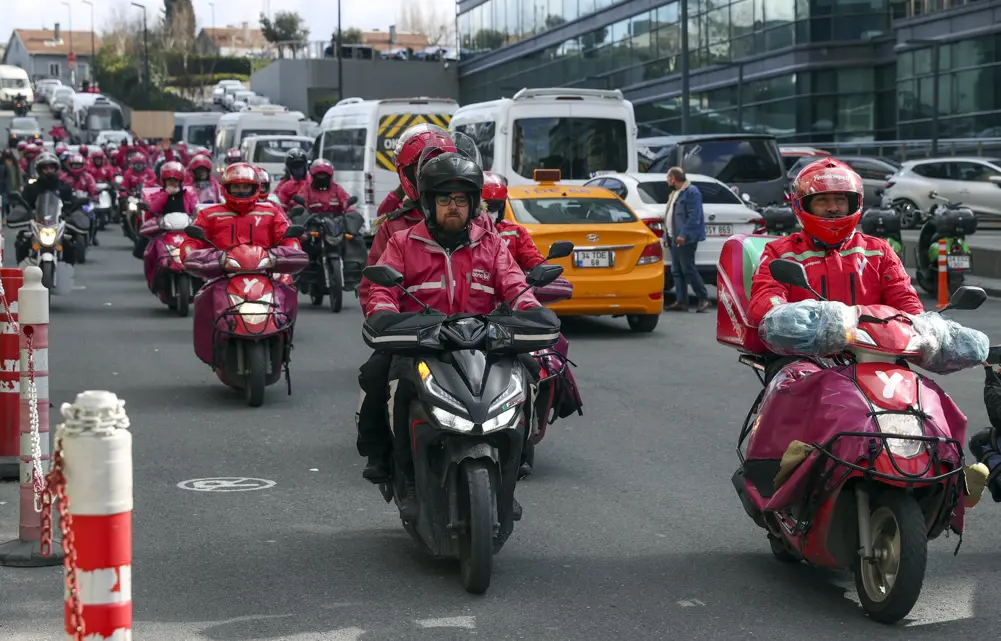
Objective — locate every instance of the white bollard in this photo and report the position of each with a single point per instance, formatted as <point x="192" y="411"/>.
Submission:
<point x="95" y="451"/>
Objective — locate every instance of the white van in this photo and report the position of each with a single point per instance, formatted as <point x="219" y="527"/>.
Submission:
<point x="197" y="129"/>
<point x="268" y="152"/>
<point x="359" y="137"/>
<point x="14" y="81"/>
<point x="579" y="131"/>
<point x="88" y="115"/>
<point x="257" y="121"/>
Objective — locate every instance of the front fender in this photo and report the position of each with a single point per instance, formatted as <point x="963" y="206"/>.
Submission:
<point x="458" y="450"/>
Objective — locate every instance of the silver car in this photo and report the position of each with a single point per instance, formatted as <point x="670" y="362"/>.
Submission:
<point x="973" y="181"/>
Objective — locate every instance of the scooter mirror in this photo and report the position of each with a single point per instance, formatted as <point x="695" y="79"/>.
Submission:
<point x="194" y="231"/>
<point x="383" y="275"/>
<point x="994" y="355"/>
<point x="543" y="274"/>
<point x="352" y="200"/>
<point x="789" y="272"/>
<point x="299" y="199"/>
<point x="560" y="249"/>
<point x="967" y="298"/>
<point x="295" y="231"/>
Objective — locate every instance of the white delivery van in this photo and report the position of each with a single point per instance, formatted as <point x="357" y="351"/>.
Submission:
<point x="579" y="131"/>
<point x="268" y="152"/>
<point x="196" y="128"/>
<point x="359" y="137"/>
<point x="257" y="121"/>
<point x="89" y="114"/>
<point x="14" y="81"/>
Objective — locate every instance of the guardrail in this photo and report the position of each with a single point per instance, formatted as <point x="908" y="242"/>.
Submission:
<point x="902" y="150"/>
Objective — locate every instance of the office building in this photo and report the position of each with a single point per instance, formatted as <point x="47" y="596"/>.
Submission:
<point x="803" y="70"/>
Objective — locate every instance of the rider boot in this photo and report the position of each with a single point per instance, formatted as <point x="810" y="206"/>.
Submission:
<point x="377" y="469"/>
<point x="409" y="507"/>
<point x="984" y="446"/>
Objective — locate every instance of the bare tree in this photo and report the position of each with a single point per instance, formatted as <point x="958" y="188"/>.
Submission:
<point x="425" y="19"/>
<point x="177" y="36"/>
<point x="122" y="29"/>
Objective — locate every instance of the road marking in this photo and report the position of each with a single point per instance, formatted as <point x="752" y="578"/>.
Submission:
<point x="690" y="603"/>
<point x="468" y="623"/>
<point x="226" y="484"/>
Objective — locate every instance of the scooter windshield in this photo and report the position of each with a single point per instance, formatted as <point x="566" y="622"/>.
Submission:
<point x="48" y="208"/>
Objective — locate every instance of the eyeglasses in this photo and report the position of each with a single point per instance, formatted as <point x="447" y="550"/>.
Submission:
<point x="444" y="200"/>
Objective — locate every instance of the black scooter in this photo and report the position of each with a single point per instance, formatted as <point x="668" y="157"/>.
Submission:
<point x="884" y="222"/>
<point x="21" y="107"/>
<point x="468" y="420"/>
<point x="337" y="254"/>
<point x="951" y="222"/>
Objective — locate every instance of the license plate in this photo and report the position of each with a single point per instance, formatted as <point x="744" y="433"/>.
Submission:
<point x="719" y="230"/>
<point x="958" y="262"/>
<point x="593" y="258"/>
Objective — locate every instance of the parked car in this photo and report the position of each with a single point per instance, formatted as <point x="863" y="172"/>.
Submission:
<point x="973" y="181"/>
<point x="44" y="89"/>
<point x="725" y="213"/>
<point x="61" y="99"/>
<point x="23" y="128"/>
<point x="791" y="155"/>
<point x="873" y="171"/>
<point x="220" y="89"/>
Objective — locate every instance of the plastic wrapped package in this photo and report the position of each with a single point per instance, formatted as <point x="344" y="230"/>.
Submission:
<point x="808" y="328"/>
<point x="946" y="346"/>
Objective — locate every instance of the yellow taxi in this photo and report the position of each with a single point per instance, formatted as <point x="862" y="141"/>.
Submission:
<point x="617" y="267"/>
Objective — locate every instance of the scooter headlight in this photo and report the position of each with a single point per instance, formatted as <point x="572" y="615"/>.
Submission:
<point x="254" y="313"/>
<point x="506" y="404"/>
<point x="133" y="205"/>
<point x="47" y="236"/>
<point x="904" y="425"/>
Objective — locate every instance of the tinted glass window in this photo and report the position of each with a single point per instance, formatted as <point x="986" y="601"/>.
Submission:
<point x="24" y="124"/>
<point x="616" y="187"/>
<point x="201" y="135"/>
<point x="274" y="150"/>
<point x="930" y="170"/>
<point x="571" y="211"/>
<point x="736" y="160"/>
<point x="247" y="133"/>
<point x="178" y="132"/>
<point x="578" y="147"/>
<point x="104" y="119"/>
<point x="971" y="172"/>
<point x="870" y="170"/>
<point x="482" y="134"/>
<point x="345" y="148"/>
<point x="654" y="193"/>
<point x="716" y="194"/>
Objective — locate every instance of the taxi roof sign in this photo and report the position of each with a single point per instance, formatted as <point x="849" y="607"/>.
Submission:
<point x="546" y="175"/>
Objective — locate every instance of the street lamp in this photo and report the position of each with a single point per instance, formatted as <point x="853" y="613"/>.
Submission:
<point x="686" y="89"/>
<point x="340" y="61"/>
<point x="212" y="6"/>
<point x="72" y="63"/>
<point x="92" y="69"/>
<point x="145" y="49"/>
<point x="936" y="45"/>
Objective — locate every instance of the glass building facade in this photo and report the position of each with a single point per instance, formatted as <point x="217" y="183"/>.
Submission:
<point x="872" y="94"/>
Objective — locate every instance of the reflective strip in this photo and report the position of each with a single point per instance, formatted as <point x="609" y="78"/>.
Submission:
<point x="819" y="254"/>
<point x="427" y="285"/>
<point x="509" y="233"/>
<point x="385" y="306"/>
<point x="483" y="288"/>
<point x="220" y="213"/>
<point x="387" y="339"/>
<point x="536" y="337"/>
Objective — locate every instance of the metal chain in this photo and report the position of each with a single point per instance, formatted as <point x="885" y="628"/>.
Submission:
<point x="37" y="478"/>
<point x="56" y="490"/>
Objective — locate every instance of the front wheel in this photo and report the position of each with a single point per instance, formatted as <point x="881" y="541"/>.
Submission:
<point x="476" y="542"/>
<point x="182" y="294"/>
<point x="335" y="285"/>
<point x="48" y="275"/>
<point x="642" y="323"/>
<point x="256" y="372"/>
<point x="889" y="585"/>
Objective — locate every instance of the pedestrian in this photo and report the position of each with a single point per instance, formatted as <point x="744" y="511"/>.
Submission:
<point x="686" y="228"/>
<point x="10" y="179"/>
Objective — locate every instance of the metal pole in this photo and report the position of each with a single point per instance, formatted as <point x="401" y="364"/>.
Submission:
<point x="92" y="68"/>
<point x="69" y="11"/>
<point x="935" y="103"/>
<point x="685" y="86"/>
<point x="740" y="96"/>
<point x="340" y="61"/>
<point x="146" y="54"/>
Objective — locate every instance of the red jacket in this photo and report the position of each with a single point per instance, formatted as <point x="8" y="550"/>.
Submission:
<point x="392" y="202"/>
<point x="333" y="200"/>
<point x="289" y="187"/>
<point x="132" y="180"/>
<point x="387" y="228"/>
<point x="863" y="271"/>
<point x="210" y="194"/>
<point x="474" y="279"/>
<point x="520" y="242"/>
<point x="158" y="201"/>
<point x="263" y="227"/>
<point x="83" y="182"/>
<point x="103" y="174"/>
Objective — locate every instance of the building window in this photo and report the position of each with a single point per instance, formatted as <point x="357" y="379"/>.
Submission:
<point x="55" y="71"/>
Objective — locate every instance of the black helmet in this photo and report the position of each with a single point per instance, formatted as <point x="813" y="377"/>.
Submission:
<point x="295" y="162"/>
<point x="445" y="174"/>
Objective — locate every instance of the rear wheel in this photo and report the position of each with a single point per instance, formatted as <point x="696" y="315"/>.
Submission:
<point x="889" y="585"/>
<point x="476" y="542"/>
<point x="256" y="365"/>
<point x="643" y="323"/>
<point x="182" y="294"/>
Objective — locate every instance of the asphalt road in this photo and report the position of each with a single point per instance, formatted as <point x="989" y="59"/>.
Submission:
<point x="631" y="528"/>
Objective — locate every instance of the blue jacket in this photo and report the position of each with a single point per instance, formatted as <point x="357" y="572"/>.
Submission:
<point x="689" y="220"/>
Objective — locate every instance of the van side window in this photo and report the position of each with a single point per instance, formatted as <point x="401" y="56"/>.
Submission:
<point x="482" y="134"/>
<point x="345" y="148"/>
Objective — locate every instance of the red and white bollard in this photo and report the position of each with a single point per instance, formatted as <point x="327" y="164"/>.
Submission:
<point x="10" y="381"/>
<point x="33" y="312"/>
<point x="91" y="480"/>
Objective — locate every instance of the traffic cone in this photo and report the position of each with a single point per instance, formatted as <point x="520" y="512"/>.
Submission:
<point x="943" y="273"/>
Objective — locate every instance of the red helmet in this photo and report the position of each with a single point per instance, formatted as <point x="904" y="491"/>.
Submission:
<point x="182" y="146"/>
<point x="172" y="170"/>
<point x="321" y="166"/>
<point x="138" y="161"/>
<point x="494" y="192"/>
<point x="75" y="164"/>
<point x="234" y="155"/>
<point x="264" y="179"/>
<point x="410" y="148"/>
<point x="61" y="148"/>
<point x="98" y="158"/>
<point x="21" y="146"/>
<point x="236" y="175"/>
<point x="84" y="151"/>
<point x="827" y="176"/>
<point x="32" y="150"/>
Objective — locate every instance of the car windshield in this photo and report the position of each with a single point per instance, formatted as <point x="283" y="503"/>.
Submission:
<point x="657" y="193"/>
<point x="735" y="160"/>
<point x="247" y="133"/>
<point x="273" y="151"/>
<point x="24" y="124"/>
<point x="571" y="211"/>
<point x="201" y="135"/>
<point x="576" y="146"/>
<point x="14" y="83"/>
<point x="104" y="119"/>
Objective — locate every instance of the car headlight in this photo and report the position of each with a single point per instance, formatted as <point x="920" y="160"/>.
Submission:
<point x="905" y="425"/>
<point x="47" y="236"/>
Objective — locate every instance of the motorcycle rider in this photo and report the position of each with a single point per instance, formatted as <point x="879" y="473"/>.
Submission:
<point x="173" y="197"/>
<point x="100" y="168"/>
<point x="78" y="178"/>
<point x="984" y="444"/>
<point x="321" y="193"/>
<point x="29" y="165"/>
<point x="265" y="196"/>
<point x="139" y="174"/>
<point x="182" y="152"/>
<point x="84" y="151"/>
<point x="445" y="242"/>
<point x="233" y="156"/>
<point x="516" y="237"/>
<point x="295" y="166"/>
<point x="47" y="166"/>
<point x="200" y="178"/>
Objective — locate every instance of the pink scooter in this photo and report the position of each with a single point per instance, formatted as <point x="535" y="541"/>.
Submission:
<point x="882" y="470"/>
<point x="244" y="316"/>
<point x="162" y="263"/>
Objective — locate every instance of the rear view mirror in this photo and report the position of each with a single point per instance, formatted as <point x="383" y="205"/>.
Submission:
<point x="789" y="272"/>
<point x="383" y="275"/>
<point x="543" y="274"/>
<point x="295" y="231"/>
<point x="352" y="200"/>
<point x="194" y="231"/>
<point x="966" y="298"/>
<point x="560" y="249"/>
<point x="299" y="199"/>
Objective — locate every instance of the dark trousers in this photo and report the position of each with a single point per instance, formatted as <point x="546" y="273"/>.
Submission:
<point x="374" y="438"/>
<point x="685" y="273"/>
